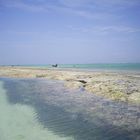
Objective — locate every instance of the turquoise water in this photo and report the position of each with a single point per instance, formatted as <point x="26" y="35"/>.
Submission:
<point x="103" y="66"/>
<point x="38" y="109"/>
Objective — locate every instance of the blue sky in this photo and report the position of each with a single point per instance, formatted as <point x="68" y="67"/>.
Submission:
<point x="69" y="31"/>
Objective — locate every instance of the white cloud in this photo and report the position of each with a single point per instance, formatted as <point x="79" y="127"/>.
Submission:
<point x="74" y="3"/>
<point x="24" y="6"/>
<point x="118" y="29"/>
<point x="119" y="2"/>
<point x="105" y="29"/>
<point x="28" y="7"/>
<point x="91" y="9"/>
<point x="78" y="3"/>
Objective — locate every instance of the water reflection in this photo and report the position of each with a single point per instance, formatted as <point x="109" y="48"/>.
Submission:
<point x="72" y="114"/>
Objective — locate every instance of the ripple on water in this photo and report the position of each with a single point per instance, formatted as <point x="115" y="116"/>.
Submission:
<point x="69" y="114"/>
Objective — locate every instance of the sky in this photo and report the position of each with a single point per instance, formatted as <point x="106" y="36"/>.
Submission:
<point x="69" y="31"/>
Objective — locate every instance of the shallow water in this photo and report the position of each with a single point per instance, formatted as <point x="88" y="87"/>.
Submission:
<point x="38" y="109"/>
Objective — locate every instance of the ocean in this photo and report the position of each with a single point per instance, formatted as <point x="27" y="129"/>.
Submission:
<point x="96" y="66"/>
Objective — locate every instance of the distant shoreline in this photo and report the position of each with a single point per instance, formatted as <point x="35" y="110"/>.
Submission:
<point x="119" y="86"/>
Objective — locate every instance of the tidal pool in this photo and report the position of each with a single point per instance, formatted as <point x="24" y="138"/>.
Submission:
<point x="38" y="109"/>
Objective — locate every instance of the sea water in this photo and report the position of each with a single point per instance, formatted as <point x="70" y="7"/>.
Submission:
<point x="19" y="122"/>
<point x="95" y="66"/>
<point x="104" y="66"/>
<point x="39" y="109"/>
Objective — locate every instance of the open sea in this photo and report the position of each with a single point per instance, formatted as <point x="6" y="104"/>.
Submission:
<point x="97" y="66"/>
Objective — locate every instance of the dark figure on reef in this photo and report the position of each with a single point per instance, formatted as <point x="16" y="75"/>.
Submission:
<point x="54" y="65"/>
